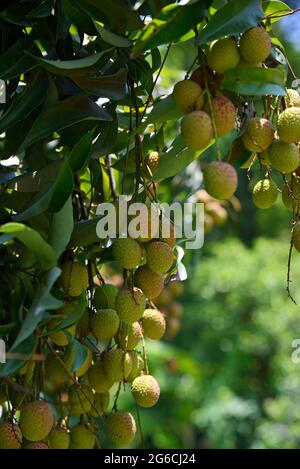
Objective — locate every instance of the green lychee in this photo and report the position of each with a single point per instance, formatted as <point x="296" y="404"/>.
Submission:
<point x="55" y="371"/>
<point x="59" y="337"/>
<point x="74" y="278"/>
<point x="121" y="428"/>
<point x="159" y="256"/>
<point x="255" y="45"/>
<point x="127" y="252"/>
<point x="196" y="130"/>
<point x="101" y="402"/>
<point x="291" y="194"/>
<point x="97" y="378"/>
<point x="175" y="309"/>
<point x="82" y="437"/>
<point x="153" y="323"/>
<point x="138" y="366"/>
<point x="185" y="94"/>
<point x="293" y="98"/>
<point x="220" y="180"/>
<point x="105" y="324"/>
<point x="59" y="438"/>
<point x="223" y="55"/>
<point x="288" y="125"/>
<point x="151" y="283"/>
<point x="117" y="365"/>
<point x="284" y="156"/>
<point x="264" y="193"/>
<point x="130" y="304"/>
<point x="80" y="399"/>
<point x="129" y="335"/>
<point x="105" y="296"/>
<point x="296" y="236"/>
<point x="35" y="445"/>
<point x="145" y="390"/>
<point x="259" y="134"/>
<point x="36" y="420"/>
<point x="10" y="436"/>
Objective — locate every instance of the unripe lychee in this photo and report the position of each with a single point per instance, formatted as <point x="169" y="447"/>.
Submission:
<point x="138" y="365"/>
<point x="101" y="402"/>
<point x="80" y="399"/>
<point x="291" y="194"/>
<point x="10" y="436"/>
<point x="296" y="236"/>
<point x="243" y="63"/>
<point x="293" y="98"/>
<point x="36" y="420"/>
<point x="163" y="298"/>
<point x="264" y="158"/>
<point x="82" y="438"/>
<point x="35" y="445"/>
<point x="220" y="179"/>
<point x="185" y="94"/>
<point x="259" y="134"/>
<point x="97" y="378"/>
<point x="224" y="114"/>
<point x="284" y="156"/>
<point x="152" y="162"/>
<point x="130" y="304"/>
<point x="255" y="45"/>
<point x="105" y="324"/>
<point x="154" y="324"/>
<point x="159" y="256"/>
<point x="223" y="55"/>
<point x="176" y="287"/>
<point x="59" y="438"/>
<point x="288" y="125"/>
<point x="150" y="282"/>
<point x="105" y="296"/>
<point x="74" y="278"/>
<point x="129" y="335"/>
<point x="127" y="252"/>
<point x="175" y="309"/>
<point x="145" y="390"/>
<point x="173" y="326"/>
<point x="196" y="130"/>
<point x="59" y="337"/>
<point x="117" y="365"/>
<point x="264" y="193"/>
<point x="147" y="223"/>
<point x="121" y="428"/>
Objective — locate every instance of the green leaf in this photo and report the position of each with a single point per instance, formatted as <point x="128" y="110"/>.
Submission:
<point x="65" y="113"/>
<point x="15" y="61"/>
<point x="107" y="138"/>
<point x="80" y="154"/>
<point x="44" y="253"/>
<point x="43" y="301"/>
<point x="26" y="348"/>
<point x="7" y="328"/>
<point x="162" y="111"/>
<point x="108" y="86"/>
<point x="172" y="22"/>
<point x="62" y="227"/>
<point x="23" y="104"/>
<point x="35" y="180"/>
<point x="234" y="18"/>
<point x="255" y="81"/>
<point x="275" y="7"/>
<point x="112" y="38"/>
<point x="78" y="17"/>
<point x="84" y="233"/>
<point x="43" y="10"/>
<point x="78" y="352"/>
<point x="75" y="315"/>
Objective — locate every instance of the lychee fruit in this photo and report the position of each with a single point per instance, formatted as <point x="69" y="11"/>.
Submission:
<point x="175" y="309"/>
<point x="80" y="399"/>
<point x="196" y="130"/>
<point x="130" y="304"/>
<point x="296" y="236"/>
<point x="82" y="437"/>
<point x="293" y="98"/>
<point x="129" y="335"/>
<point x="291" y="194"/>
<point x="10" y="436"/>
<point x="153" y="323"/>
<point x="121" y="428"/>
<point x="105" y="324"/>
<point x="151" y="283"/>
<point x="224" y="114"/>
<point x="117" y="365"/>
<point x="220" y="180"/>
<point x="36" y="420"/>
<point x="255" y="45"/>
<point x="74" y="278"/>
<point x="288" y="125"/>
<point x="173" y="326"/>
<point x="283" y="156"/>
<point x="159" y="256"/>
<point x="105" y="296"/>
<point x="127" y="252"/>
<point x="176" y="287"/>
<point x="264" y="193"/>
<point x="145" y="390"/>
<point x="97" y="378"/>
<point x="223" y="55"/>
<point x="59" y="438"/>
<point x="152" y="162"/>
<point x="59" y="337"/>
<point x="185" y="94"/>
<point x="259" y="134"/>
<point x="217" y="212"/>
<point x="101" y="402"/>
<point x="55" y="372"/>
<point x="163" y="298"/>
<point x="35" y="445"/>
<point x="85" y="365"/>
<point x="138" y="365"/>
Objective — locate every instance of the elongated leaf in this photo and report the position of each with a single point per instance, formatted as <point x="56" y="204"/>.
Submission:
<point x="80" y="154"/>
<point x="84" y="233"/>
<point x="162" y="111"/>
<point x="255" y="81"/>
<point x="276" y="8"/>
<point x="108" y="86"/>
<point x="16" y="61"/>
<point x="26" y="348"/>
<point x="112" y="38"/>
<point x="42" y="302"/>
<point x="7" y="328"/>
<point x="33" y="241"/>
<point x="63" y="114"/>
<point x="234" y="18"/>
<point x="75" y="315"/>
<point x="35" y="180"/>
<point x="43" y="10"/>
<point x="78" y="353"/>
<point x="61" y="227"/>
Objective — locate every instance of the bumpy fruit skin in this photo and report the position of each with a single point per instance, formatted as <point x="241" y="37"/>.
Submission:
<point x="117" y="365"/>
<point x="36" y="445"/>
<point x="150" y="282"/>
<point x="130" y="304"/>
<point x="176" y="287"/>
<point x="196" y="130"/>
<point x="80" y="399"/>
<point x="264" y="193"/>
<point x="121" y="428"/>
<point x="98" y="379"/>
<point x="224" y="114"/>
<point x="59" y="438"/>
<point x="129" y="335"/>
<point x="101" y="402"/>
<point x="55" y="372"/>
<point x="145" y="390"/>
<point x="283" y="156"/>
<point x="152" y="162"/>
<point x="159" y="256"/>
<point x="220" y="180"/>
<point x="74" y="278"/>
<point x="185" y="94"/>
<point x="105" y="297"/>
<point x="291" y="194"/>
<point x="154" y="324"/>
<point x="223" y="55"/>
<point x="255" y="45"/>
<point x="105" y="324"/>
<point x="127" y="252"/>
<point x="36" y="420"/>
<point x="82" y="438"/>
<point x="259" y="134"/>
<point x="288" y="125"/>
<point x="10" y="436"/>
<point x="293" y="98"/>
<point x="138" y="366"/>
